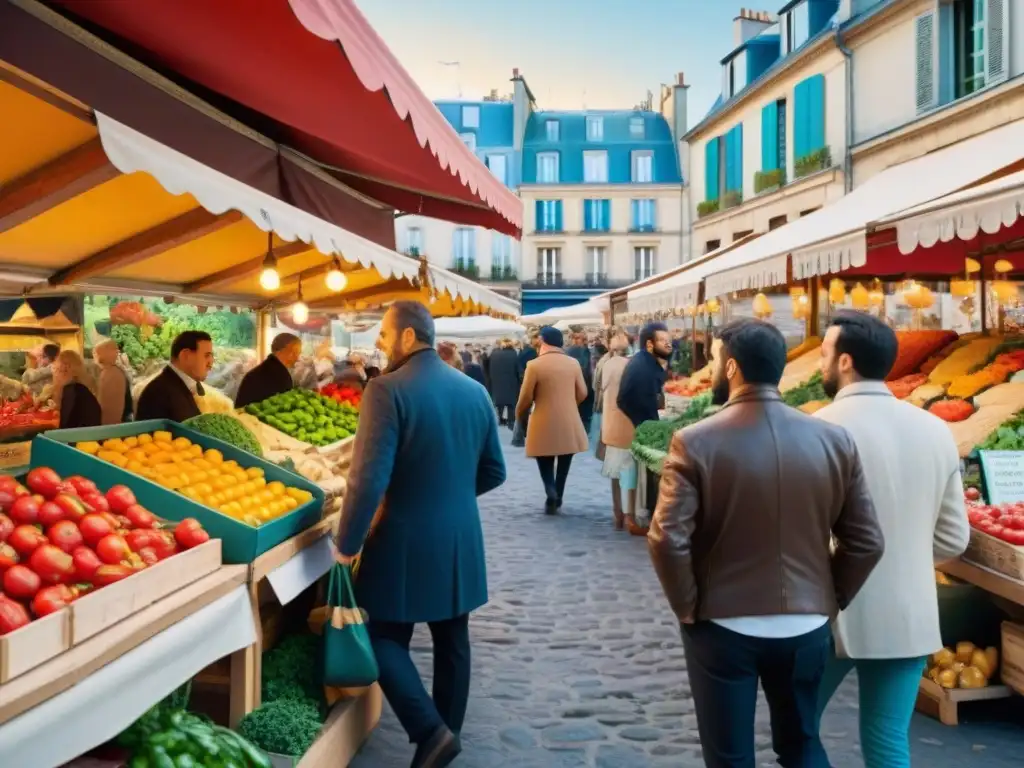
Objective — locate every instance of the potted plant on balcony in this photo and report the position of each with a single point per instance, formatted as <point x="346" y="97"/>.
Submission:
<point x="731" y="199"/>
<point x="706" y="208"/>
<point x="815" y="161"/>
<point x="766" y="182"/>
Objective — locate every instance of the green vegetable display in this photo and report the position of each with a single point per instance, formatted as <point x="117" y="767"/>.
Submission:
<point x="808" y="392"/>
<point x="1009" y="436"/>
<point x="166" y="737"/>
<point x="657" y="435"/>
<point x="307" y="416"/>
<point x="226" y="428"/>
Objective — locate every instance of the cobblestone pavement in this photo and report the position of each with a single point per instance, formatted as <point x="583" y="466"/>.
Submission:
<point x="577" y="660"/>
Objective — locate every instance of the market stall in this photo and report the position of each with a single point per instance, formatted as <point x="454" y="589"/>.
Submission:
<point x="590" y="313"/>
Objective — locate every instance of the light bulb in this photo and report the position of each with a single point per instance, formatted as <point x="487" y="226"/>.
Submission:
<point x="300" y="312"/>
<point x="336" y="280"/>
<point x="269" y="279"/>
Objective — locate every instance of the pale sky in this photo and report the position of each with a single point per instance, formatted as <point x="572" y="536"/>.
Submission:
<point x="598" y="54"/>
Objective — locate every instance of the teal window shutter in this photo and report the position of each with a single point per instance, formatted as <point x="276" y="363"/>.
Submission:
<point x="558" y="215"/>
<point x="634" y="214"/>
<point x="816" y="112"/>
<point x="737" y="163"/>
<point x="770" y="137"/>
<point x="800" y="118"/>
<point x="588" y="215"/>
<point x="711" y="169"/>
<point x="606" y="215"/>
<point x="924" y="52"/>
<point x="539" y="211"/>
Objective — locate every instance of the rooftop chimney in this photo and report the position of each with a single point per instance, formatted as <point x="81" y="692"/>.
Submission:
<point x="680" y="79"/>
<point x="749" y="24"/>
<point x="515" y="73"/>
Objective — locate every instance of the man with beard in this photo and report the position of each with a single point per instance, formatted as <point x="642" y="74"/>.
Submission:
<point x="913" y="472"/>
<point x="426" y="448"/>
<point x="641" y="393"/>
<point x="750" y="499"/>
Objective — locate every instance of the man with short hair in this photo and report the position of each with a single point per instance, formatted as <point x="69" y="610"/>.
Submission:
<point x="172" y="393"/>
<point x="114" y="390"/>
<point x="751" y="498"/>
<point x="426" y="448"/>
<point x="912" y="468"/>
<point x="274" y="375"/>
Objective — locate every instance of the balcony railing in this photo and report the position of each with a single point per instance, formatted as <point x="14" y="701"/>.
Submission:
<point x="643" y="228"/>
<point x="557" y="281"/>
<point x="596" y="278"/>
<point x="466" y="268"/>
<point x="506" y="274"/>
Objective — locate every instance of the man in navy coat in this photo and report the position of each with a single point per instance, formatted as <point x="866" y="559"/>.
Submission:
<point x="426" y="448"/>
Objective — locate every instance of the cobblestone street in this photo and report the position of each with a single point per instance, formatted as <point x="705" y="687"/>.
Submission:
<point x="577" y="660"/>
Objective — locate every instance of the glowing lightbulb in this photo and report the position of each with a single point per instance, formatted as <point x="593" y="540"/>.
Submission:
<point x="269" y="279"/>
<point x="300" y="312"/>
<point x="336" y="280"/>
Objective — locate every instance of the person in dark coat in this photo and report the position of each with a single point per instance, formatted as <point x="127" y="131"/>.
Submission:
<point x="74" y="392"/>
<point x="426" y="448"/>
<point x="528" y="353"/>
<point x="172" y="393"/>
<point x="580" y="352"/>
<point x="475" y="370"/>
<point x="504" y="372"/>
<point x="273" y="376"/>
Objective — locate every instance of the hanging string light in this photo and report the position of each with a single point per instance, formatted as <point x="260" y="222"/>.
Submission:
<point x="270" y="280"/>
<point x="300" y="312"/>
<point x="336" y="280"/>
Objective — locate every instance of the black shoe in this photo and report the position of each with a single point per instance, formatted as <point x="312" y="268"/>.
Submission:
<point x="550" y="507"/>
<point x="559" y="503"/>
<point x="437" y="751"/>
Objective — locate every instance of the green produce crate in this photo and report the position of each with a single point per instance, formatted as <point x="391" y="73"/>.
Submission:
<point x="241" y="543"/>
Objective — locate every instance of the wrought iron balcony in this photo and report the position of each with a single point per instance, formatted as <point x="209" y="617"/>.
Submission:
<point x="598" y="281"/>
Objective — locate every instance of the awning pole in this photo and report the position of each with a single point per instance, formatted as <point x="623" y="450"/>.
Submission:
<point x="262" y="328"/>
<point x="811" y="323"/>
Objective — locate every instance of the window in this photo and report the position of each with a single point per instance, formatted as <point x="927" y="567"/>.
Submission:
<point x="643" y="216"/>
<point x="471" y="117"/>
<point x="773" y="136"/>
<point x="596" y="265"/>
<point x="636" y="127"/>
<point x="597" y="215"/>
<point x="737" y="236"/>
<point x="547" y="167"/>
<point x="801" y="26"/>
<point x="777" y="221"/>
<point x="469" y="139"/>
<point x="712" y="245"/>
<point x="501" y="252"/>
<point x="739" y="72"/>
<point x="643" y="262"/>
<point x="808" y="116"/>
<point x="786" y="33"/>
<point x="595" y="129"/>
<point x="968" y="47"/>
<point x="498" y="164"/>
<point x="464" y="247"/>
<point x="549" y="266"/>
<point x="643" y="166"/>
<point x="780" y="114"/>
<point x="549" y="215"/>
<point x="595" y="166"/>
<point x="551" y="130"/>
<point x="414" y="241"/>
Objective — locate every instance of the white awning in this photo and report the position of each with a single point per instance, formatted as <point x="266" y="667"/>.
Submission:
<point x="833" y="238"/>
<point x="475" y="327"/>
<point x="985" y="208"/>
<point x="680" y="286"/>
<point x="588" y="312"/>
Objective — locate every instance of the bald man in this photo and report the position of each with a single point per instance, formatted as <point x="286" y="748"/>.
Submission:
<point x="114" y="391"/>
<point x="274" y="375"/>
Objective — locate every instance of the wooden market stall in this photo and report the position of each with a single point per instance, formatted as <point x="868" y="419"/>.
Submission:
<point x="117" y="180"/>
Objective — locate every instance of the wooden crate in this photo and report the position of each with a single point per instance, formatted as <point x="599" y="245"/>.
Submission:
<point x="96" y="612"/>
<point x="1012" y="662"/>
<point x="995" y="554"/>
<point x="35" y="644"/>
<point x="15" y="455"/>
<point x="943" y="703"/>
<point x="348" y="725"/>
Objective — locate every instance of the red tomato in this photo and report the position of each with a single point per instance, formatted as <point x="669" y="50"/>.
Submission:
<point x="83" y="486"/>
<point x="8" y="557"/>
<point x="52" y="564"/>
<point x="66" y="487"/>
<point x="25" y="510"/>
<point x="25" y="538"/>
<point x="21" y="582"/>
<point x="112" y="549"/>
<point x="50" y="513"/>
<point x="123" y="523"/>
<point x="12" y="615"/>
<point x="120" y="497"/>
<point x="96" y="502"/>
<point x="972" y="494"/>
<point x="6" y="499"/>
<point x="9" y="484"/>
<point x="164" y="544"/>
<point x="140" y="517"/>
<point x="108" y="574"/>
<point x="148" y="556"/>
<point x="86" y="562"/>
<point x="189" y="533"/>
<point x="111" y="520"/>
<point x="73" y="507"/>
<point x="6" y="526"/>
<point x="65" y="536"/>
<point x="44" y="481"/>
<point x="140" y="538"/>
<point x="94" y="527"/>
<point x="51" y="599"/>
<point x="1013" y="536"/>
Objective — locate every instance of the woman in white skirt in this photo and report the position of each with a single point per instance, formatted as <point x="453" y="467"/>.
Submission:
<point x="617" y="435"/>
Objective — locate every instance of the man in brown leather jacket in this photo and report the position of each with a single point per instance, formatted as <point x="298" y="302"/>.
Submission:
<point x="750" y="500"/>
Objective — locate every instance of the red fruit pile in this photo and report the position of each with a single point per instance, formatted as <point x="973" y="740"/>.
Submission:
<point x="60" y="538"/>
<point x="1004" y="521"/>
<point x="343" y="394"/>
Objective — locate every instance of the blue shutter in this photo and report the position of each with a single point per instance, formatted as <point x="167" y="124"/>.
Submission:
<point x="924" y="52"/>
<point x="737" y="160"/>
<point x="538" y="212"/>
<point x="800" y="118"/>
<point x="588" y="220"/>
<point x="558" y="215"/>
<point x="634" y="214"/>
<point x="711" y="169"/>
<point x="816" y="112"/>
<point x="730" y="159"/>
<point x="770" y="137"/>
<point x="606" y="215"/>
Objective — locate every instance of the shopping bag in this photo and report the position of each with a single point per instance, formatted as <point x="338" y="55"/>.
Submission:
<point x="595" y="433"/>
<point x="519" y="434"/>
<point x="348" y="656"/>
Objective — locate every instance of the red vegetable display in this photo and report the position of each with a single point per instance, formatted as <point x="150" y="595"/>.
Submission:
<point x="1005" y="521"/>
<point x="343" y="394"/>
<point x="915" y="347"/>
<point x="951" y="410"/>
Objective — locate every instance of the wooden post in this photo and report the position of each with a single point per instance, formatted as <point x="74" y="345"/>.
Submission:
<point x="262" y="332"/>
<point x="984" y="302"/>
<point x="811" y="323"/>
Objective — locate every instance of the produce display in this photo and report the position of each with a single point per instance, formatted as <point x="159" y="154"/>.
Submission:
<point x="1009" y="436"/>
<point x="810" y="391"/>
<point x="307" y="416"/>
<point x="652" y="438"/>
<point x="61" y="538"/>
<point x="203" y="476"/>
<point x="916" y="347"/>
<point x="226" y="428"/>
<point x="1003" y="521"/>
<point x="23" y="414"/>
<point x="343" y="394"/>
<point x="965" y="666"/>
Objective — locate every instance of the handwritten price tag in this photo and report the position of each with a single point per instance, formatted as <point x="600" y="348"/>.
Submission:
<point x="1003" y="473"/>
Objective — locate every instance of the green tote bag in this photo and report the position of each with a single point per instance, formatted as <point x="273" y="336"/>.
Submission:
<point x="348" y="656"/>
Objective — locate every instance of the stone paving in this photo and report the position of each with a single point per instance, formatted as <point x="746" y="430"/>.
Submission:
<point x="577" y="660"/>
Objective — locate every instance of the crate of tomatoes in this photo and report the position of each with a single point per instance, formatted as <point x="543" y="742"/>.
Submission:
<point x="77" y="556"/>
<point x="250" y="504"/>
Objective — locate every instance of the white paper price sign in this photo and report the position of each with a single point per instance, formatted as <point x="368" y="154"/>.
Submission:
<point x="1003" y="476"/>
<point x="290" y="578"/>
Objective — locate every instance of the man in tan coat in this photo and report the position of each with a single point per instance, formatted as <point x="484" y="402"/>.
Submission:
<point x="553" y="385"/>
<point x="114" y="390"/>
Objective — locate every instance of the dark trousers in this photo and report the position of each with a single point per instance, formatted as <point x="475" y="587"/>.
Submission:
<point x="506" y="414"/>
<point x="420" y="714"/>
<point x="724" y="668"/>
<point x="554" y="471"/>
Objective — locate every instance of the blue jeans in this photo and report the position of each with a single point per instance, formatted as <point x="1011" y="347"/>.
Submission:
<point x="888" y="692"/>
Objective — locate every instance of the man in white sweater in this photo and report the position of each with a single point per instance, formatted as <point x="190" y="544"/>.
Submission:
<point x="913" y="473"/>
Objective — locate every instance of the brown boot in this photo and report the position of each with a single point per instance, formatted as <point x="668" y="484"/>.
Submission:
<point x="634" y="528"/>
